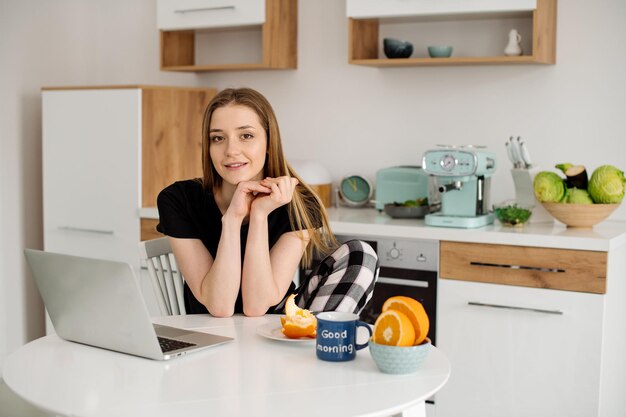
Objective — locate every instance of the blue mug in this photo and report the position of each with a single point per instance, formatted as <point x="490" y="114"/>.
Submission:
<point x="336" y="336"/>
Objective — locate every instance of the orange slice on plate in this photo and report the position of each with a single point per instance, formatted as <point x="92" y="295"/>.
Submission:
<point x="393" y="328"/>
<point x="298" y="322"/>
<point x="415" y="311"/>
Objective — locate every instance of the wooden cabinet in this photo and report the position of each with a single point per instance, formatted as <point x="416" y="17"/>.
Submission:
<point x="531" y="331"/>
<point x="366" y="17"/>
<point x="107" y="151"/>
<point x="182" y="22"/>
<point x="171" y="137"/>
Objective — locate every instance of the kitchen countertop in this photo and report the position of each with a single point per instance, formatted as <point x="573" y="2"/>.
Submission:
<point x="368" y="222"/>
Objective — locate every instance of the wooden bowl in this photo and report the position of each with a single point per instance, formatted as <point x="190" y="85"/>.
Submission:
<point x="580" y="215"/>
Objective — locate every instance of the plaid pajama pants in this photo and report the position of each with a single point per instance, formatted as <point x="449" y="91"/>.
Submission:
<point x="343" y="281"/>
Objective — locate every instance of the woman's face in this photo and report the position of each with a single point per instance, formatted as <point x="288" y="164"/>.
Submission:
<point x="237" y="144"/>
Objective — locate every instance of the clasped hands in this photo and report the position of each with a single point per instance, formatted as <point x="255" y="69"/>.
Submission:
<point x="261" y="197"/>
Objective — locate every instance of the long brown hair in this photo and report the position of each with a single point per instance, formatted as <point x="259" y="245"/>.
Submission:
<point x="306" y="210"/>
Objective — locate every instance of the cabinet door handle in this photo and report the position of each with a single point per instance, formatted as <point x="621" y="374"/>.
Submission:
<point x="82" y="229"/>
<point x="536" y="310"/>
<point x="507" y="266"/>
<point x="405" y="282"/>
<point x="204" y="9"/>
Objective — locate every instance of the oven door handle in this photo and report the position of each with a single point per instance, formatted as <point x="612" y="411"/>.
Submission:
<point x="406" y="282"/>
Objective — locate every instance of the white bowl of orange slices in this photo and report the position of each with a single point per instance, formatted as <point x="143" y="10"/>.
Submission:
<point x="399" y="341"/>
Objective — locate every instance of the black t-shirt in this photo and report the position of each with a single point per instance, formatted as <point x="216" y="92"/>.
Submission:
<point x="187" y="210"/>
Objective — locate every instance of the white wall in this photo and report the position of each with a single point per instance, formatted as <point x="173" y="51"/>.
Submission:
<point x="354" y="119"/>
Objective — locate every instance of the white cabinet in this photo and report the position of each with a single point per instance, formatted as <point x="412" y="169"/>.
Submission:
<point x="366" y="9"/>
<point x="91" y="172"/>
<point x="107" y="152"/>
<point x="519" y="351"/>
<point x="209" y="14"/>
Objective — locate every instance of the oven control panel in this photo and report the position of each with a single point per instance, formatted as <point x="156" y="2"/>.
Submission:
<point x="413" y="254"/>
<point x="409" y="254"/>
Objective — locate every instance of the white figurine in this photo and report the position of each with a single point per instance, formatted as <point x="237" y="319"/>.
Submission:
<point x="513" y="48"/>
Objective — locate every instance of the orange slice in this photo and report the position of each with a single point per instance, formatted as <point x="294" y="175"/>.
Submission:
<point x="298" y="322"/>
<point x="393" y="328"/>
<point x="290" y="306"/>
<point x="414" y="310"/>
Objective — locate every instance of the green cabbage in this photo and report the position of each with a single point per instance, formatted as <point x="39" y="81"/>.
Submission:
<point x="549" y="187"/>
<point x="576" y="196"/>
<point x="606" y="185"/>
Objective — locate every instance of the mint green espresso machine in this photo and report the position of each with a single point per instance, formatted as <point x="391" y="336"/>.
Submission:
<point x="463" y="178"/>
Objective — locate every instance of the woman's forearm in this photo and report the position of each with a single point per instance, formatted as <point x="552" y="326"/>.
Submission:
<point x="220" y="285"/>
<point x="258" y="287"/>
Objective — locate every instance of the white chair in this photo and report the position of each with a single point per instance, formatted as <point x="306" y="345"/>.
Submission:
<point x="167" y="281"/>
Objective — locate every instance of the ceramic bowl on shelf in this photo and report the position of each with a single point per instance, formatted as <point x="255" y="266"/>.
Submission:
<point x="580" y="215"/>
<point x="399" y="359"/>
<point x="439" y="51"/>
<point x="513" y="213"/>
<point x="396" y="48"/>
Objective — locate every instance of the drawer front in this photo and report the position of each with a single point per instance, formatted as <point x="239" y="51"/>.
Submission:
<point x="365" y="9"/>
<point x="206" y="14"/>
<point x="562" y="269"/>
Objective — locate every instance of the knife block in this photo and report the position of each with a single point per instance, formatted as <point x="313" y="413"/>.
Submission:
<point x="525" y="193"/>
<point x="523" y="181"/>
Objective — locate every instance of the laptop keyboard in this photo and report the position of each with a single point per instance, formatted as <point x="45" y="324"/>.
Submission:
<point x="168" y="345"/>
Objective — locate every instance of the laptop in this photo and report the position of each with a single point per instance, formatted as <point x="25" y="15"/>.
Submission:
<point x="99" y="303"/>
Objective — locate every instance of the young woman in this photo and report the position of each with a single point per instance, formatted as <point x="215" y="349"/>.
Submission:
<point x="240" y="232"/>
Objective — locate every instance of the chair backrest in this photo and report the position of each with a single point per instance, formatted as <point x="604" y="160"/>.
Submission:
<point x="167" y="281"/>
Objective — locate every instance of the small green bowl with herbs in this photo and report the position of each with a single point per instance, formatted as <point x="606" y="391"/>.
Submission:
<point x="512" y="213"/>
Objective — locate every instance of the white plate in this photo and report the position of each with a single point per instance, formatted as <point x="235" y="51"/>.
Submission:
<point x="273" y="331"/>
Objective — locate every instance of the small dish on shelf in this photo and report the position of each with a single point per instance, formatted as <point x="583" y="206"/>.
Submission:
<point x="440" y="51"/>
<point x="396" y="48"/>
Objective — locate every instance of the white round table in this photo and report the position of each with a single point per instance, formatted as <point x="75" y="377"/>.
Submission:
<point x="251" y="376"/>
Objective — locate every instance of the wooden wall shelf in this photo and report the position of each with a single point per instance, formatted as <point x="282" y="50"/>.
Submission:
<point x="364" y="44"/>
<point x="279" y="43"/>
<point x="433" y="62"/>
